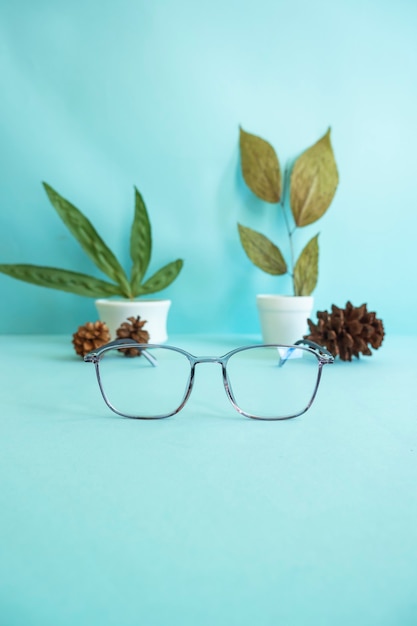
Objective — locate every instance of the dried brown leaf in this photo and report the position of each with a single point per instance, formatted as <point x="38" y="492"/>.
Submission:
<point x="314" y="180"/>
<point x="260" y="167"/>
<point x="307" y="269"/>
<point x="261" y="251"/>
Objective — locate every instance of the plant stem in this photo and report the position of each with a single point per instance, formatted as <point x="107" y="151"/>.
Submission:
<point x="287" y="225"/>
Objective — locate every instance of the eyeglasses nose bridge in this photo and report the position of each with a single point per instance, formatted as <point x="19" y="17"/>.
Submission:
<point x="207" y="359"/>
<point x="221" y="360"/>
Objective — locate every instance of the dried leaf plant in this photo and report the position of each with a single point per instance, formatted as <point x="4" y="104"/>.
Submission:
<point x="303" y="193"/>
<point x="101" y="255"/>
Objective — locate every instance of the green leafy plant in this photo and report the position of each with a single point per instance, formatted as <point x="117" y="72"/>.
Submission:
<point x="303" y="193"/>
<point x="101" y="255"/>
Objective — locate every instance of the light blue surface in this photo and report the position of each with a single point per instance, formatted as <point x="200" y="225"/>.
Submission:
<point x="206" y="518"/>
<point x="98" y="97"/>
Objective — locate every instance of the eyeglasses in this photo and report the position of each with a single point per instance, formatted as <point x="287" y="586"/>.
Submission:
<point x="265" y="382"/>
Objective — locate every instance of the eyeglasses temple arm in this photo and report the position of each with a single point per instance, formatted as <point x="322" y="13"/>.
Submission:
<point x="325" y="355"/>
<point x="92" y="356"/>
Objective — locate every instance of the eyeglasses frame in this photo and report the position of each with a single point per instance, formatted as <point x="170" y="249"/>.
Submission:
<point x="324" y="357"/>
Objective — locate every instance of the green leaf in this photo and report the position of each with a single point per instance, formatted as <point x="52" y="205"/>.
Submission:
<point x="91" y="242"/>
<point x="140" y="243"/>
<point x="306" y="269"/>
<point x="261" y="251"/>
<point x="64" y="280"/>
<point x="314" y="180"/>
<point x="260" y="167"/>
<point x="161" y="279"/>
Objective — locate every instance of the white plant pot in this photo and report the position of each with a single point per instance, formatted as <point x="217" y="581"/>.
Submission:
<point x="283" y="318"/>
<point x="155" y="312"/>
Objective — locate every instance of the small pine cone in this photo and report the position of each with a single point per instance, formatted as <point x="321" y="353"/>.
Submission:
<point x="347" y="332"/>
<point x="89" y="337"/>
<point x="133" y="329"/>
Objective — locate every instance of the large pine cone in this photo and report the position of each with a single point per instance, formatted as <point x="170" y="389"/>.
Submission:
<point x="347" y="332"/>
<point x="133" y="329"/>
<point x="89" y="337"/>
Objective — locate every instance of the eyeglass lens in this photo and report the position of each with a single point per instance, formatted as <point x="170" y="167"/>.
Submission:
<point x="136" y="388"/>
<point x="265" y="382"/>
<point x="270" y="382"/>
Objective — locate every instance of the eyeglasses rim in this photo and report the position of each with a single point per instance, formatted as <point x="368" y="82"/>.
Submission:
<point x="323" y="356"/>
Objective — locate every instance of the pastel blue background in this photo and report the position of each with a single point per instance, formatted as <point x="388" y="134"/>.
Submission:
<point x="98" y="96"/>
